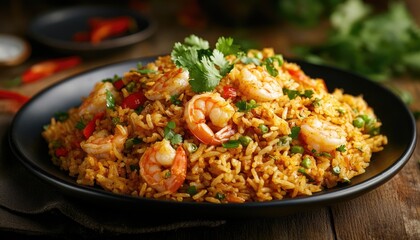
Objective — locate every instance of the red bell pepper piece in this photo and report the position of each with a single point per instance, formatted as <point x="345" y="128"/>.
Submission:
<point x="133" y="101"/>
<point x="61" y="152"/>
<point x="15" y="96"/>
<point x="49" y="67"/>
<point x="119" y="84"/>
<point x="229" y="92"/>
<point x="91" y="125"/>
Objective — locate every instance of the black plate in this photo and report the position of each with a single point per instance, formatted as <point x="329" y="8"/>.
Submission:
<point x="30" y="148"/>
<point x="55" y="29"/>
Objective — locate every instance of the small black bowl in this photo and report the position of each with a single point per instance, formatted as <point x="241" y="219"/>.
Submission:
<point x="55" y="29"/>
<point x="32" y="150"/>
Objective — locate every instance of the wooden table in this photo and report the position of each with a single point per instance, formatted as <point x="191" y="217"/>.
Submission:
<point x="391" y="211"/>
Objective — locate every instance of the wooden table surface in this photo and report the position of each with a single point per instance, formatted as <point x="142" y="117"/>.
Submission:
<point x="392" y="211"/>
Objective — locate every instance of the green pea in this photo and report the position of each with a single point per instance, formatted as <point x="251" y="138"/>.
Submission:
<point x="306" y="162"/>
<point x="263" y="128"/>
<point x="358" y="122"/>
<point x="245" y="140"/>
<point x="296" y="149"/>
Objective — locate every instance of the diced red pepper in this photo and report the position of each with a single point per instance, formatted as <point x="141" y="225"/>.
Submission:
<point x="47" y="68"/>
<point x="298" y="74"/>
<point x="134" y="100"/>
<point x="229" y="92"/>
<point x="91" y="125"/>
<point x="11" y="95"/>
<point x="119" y="84"/>
<point x="61" y="152"/>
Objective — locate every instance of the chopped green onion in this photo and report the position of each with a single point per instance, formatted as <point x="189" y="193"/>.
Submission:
<point x="284" y="140"/>
<point x="110" y="100"/>
<point x="231" y="144"/>
<point x="131" y="142"/>
<point x="244" y="106"/>
<point x="292" y="94"/>
<point x="130" y="86"/>
<point x="191" y="147"/>
<point x="269" y="64"/>
<point x="175" y="100"/>
<point x="167" y="174"/>
<point x="111" y="80"/>
<point x="341" y="148"/>
<point x="294" y="132"/>
<point x="220" y="196"/>
<point x="263" y="128"/>
<point x="307" y="93"/>
<point x="115" y="120"/>
<point x="336" y="170"/>
<point x="80" y="125"/>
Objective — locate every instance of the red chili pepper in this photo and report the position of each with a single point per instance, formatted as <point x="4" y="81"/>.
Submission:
<point x="134" y="100"/>
<point x="119" y="84"/>
<point x="103" y="28"/>
<point x="229" y="92"/>
<point x="49" y="67"/>
<point x="91" y="125"/>
<point x="61" y="152"/>
<point x="11" y="95"/>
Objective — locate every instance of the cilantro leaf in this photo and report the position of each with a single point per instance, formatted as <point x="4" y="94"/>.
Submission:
<point x="196" y="42"/>
<point x="226" y="46"/>
<point x="205" y="66"/>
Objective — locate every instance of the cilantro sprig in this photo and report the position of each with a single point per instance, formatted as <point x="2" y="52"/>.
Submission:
<point x="206" y="66"/>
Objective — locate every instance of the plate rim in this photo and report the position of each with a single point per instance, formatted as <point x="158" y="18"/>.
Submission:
<point x="322" y="198"/>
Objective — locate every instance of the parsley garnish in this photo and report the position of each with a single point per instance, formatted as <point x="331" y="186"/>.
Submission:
<point x="169" y="134"/>
<point x="175" y="100"/>
<point x="61" y="116"/>
<point x="244" y="106"/>
<point x="206" y="66"/>
<point x="269" y="64"/>
<point x="292" y="94"/>
<point x="294" y="132"/>
<point x="112" y="80"/>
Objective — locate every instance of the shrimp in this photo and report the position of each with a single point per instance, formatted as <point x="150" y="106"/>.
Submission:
<point x="96" y="101"/>
<point x="171" y="83"/>
<point x="321" y="135"/>
<point x="103" y="145"/>
<point x="160" y="155"/>
<point x="217" y="109"/>
<point x="258" y="85"/>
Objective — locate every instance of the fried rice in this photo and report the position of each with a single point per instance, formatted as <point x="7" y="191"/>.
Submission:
<point x="280" y="136"/>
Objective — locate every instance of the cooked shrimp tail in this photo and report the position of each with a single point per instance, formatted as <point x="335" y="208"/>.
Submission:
<point x="158" y="157"/>
<point x="219" y="112"/>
